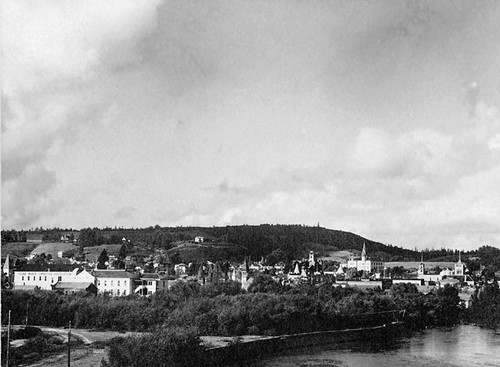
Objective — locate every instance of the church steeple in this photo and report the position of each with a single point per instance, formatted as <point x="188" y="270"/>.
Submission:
<point x="459" y="266"/>
<point x="363" y="253"/>
<point x="421" y="267"/>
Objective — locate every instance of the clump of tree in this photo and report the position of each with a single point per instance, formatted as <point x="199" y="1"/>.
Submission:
<point x="224" y="309"/>
<point x="172" y="347"/>
<point x="485" y="309"/>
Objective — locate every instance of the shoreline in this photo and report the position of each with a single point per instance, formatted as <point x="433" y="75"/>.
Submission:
<point x="249" y="350"/>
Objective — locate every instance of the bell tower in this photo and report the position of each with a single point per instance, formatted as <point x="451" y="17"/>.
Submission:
<point x="421" y="266"/>
<point x="459" y="266"/>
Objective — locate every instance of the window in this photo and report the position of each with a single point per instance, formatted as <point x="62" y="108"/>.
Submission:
<point x="22" y="278"/>
<point x="150" y="282"/>
<point x="45" y="278"/>
<point x="28" y="277"/>
<point x="59" y="278"/>
<point x="124" y="293"/>
<point x="118" y="283"/>
<point x="125" y="283"/>
<point x="40" y="278"/>
<point x="98" y="282"/>
<point x="105" y="283"/>
<point x="118" y="292"/>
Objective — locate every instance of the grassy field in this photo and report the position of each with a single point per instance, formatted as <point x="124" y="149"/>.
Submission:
<point x="17" y="249"/>
<point x="340" y="256"/>
<point x="53" y="248"/>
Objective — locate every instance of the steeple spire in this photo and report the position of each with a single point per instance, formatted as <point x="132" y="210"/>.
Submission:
<point x="363" y="253"/>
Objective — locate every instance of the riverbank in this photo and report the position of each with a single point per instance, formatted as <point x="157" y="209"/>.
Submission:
<point x="244" y="350"/>
<point x="458" y="346"/>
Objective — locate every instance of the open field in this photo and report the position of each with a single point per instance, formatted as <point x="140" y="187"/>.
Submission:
<point x="415" y="264"/>
<point x="53" y="248"/>
<point x="340" y="256"/>
<point x="18" y="249"/>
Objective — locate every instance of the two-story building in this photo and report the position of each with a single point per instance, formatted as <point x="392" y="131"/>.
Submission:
<point x="115" y="282"/>
<point x="150" y="283"/>
<point x="47" y="279"/>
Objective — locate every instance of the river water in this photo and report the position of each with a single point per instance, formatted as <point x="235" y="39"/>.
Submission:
<point x="461" y="346"/>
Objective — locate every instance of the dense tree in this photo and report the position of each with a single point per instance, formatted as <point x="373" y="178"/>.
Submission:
<point x="175" y="347"/>
<point x="486" y="305"/>
<point x="102" y="259"/>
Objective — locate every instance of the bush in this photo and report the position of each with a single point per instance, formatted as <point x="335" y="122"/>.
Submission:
<point x="173" y="347"/>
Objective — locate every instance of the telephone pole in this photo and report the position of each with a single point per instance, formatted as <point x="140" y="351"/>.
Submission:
<point x="8" y="342"/>
<point x="69" y="341"/>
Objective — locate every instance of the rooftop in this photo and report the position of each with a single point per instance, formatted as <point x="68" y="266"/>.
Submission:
<point x="113" y="274"/>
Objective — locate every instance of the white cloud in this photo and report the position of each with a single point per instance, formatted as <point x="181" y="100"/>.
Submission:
<point x="51" y="55"/>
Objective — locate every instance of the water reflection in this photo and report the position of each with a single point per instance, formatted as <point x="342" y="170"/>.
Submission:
<point x="461" y="346"/>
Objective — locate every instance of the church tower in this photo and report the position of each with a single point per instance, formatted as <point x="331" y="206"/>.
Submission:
<point x="363" y="253"/>
<point x="311" y="260"/>
<point x="421" y="266"/>
<point x="459" y="266"/>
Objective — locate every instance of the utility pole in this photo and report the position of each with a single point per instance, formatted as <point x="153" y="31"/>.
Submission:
<point x="8" y="342"/>
<point x="69" y="341"/>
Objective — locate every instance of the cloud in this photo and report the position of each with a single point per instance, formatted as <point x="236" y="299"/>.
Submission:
<point x="53" y="54"/>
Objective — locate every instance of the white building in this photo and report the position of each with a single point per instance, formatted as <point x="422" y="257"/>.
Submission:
<point x="457" y="273"/>
<point x="150" y="283"/>
<point x="364" y="264"/>
<point x="115" y="282"/>
<point x="46" y="279"/>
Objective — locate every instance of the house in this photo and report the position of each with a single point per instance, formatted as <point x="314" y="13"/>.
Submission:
<point x="113" y="252"/>
<point x="150" y="283"/>
<point x="115" y="282"/>
<point x="180" y="269"/>
<point x="47" y="279"/>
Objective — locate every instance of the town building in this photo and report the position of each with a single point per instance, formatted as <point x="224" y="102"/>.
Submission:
<point x="115" y="282"/>
<point x="365" y="264"/>
<point x="446" y="275"/>
<point x="47" y="279"/>
<point x="150" y="283"/>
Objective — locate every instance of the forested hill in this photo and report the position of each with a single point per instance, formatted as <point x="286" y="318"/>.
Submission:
<point x="257" y="241"/>
<point x="296" y="241"/>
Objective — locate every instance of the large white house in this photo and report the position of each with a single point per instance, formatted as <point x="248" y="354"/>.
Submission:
<point x="46" y="279"/>
<point x="364" y="264"/>
<point x="115" y="282"/>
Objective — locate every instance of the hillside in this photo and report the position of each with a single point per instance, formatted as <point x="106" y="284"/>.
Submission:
<point x="283" y="241"/>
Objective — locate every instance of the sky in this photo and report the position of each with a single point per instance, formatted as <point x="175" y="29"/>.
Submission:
<point x="374" y="117"/>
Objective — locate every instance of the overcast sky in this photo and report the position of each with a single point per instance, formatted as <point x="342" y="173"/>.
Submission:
<point x="376" y="117"/>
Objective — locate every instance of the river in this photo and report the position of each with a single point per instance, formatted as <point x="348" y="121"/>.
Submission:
<point x="461" y="346"/>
